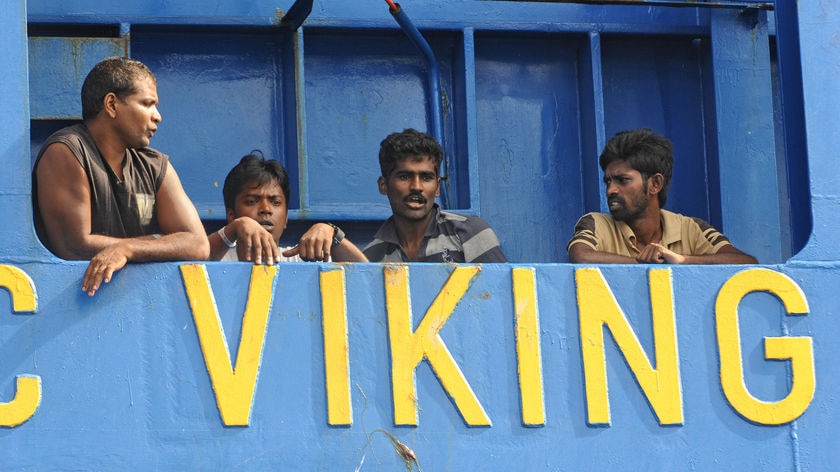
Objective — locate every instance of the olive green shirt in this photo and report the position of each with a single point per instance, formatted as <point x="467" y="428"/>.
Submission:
<point x="681" y="234"/>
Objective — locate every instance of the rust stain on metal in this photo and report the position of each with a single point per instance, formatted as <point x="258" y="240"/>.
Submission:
<point x="278" y="17"/>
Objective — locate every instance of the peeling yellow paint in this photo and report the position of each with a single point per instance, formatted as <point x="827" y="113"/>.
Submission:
<point x="528" y="346"/>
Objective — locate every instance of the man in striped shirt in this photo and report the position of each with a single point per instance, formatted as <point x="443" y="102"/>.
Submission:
<point x="418" y="231"/>
<point x="637" y="169"/>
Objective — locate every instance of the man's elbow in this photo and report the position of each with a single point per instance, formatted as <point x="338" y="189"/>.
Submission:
<point x="64" y="252"/>
<point x="198" y="248"/>
<point x="70" y="248"/>
<point x="202" y="250"/>
<point x="738" y="256"/>
<point x="577" y="254"/>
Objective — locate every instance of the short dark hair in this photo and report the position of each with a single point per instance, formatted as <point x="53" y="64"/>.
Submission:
<point x="409" y="143"/>
<point x="645" y="151"/>
<point x="113" y="74"/>
<point x="254" y="167"/>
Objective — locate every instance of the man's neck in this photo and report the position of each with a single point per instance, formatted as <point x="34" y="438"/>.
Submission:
<point x="410" y="234"/>
<point x="112" y="150"/>
<point x="648" y="228"/>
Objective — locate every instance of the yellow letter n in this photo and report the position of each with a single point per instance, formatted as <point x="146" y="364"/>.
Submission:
<point x="598" y="308"/>
<point x="409" y="348"/>
<point x="234" y="386"/>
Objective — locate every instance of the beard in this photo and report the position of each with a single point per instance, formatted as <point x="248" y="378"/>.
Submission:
<point x="626" y="213"/>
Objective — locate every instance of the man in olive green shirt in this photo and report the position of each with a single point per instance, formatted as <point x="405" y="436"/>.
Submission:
<point x="637" y="169"/>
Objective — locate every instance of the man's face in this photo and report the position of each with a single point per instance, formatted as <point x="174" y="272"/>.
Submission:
<point x="137" y="114"/>
<point x="265" y="204"/>
<point x="627" y="191"/>
<point x="411" y="188"/>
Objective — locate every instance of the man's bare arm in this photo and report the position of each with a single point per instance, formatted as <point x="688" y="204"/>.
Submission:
<point x="317" y="245"/>
<point x="253" y="242"/>
<point x="728" y="254"/>
<point x="64" y="201"/>
<point x="581" y="253"/>
<point x="659" y="254"/>
<point x="183" y="237"/>
<point x="348" y="252"/>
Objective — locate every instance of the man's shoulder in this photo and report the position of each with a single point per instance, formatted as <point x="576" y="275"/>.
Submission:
<point x="73" y="130"/>
<point x="73" y="141"/>
<point x="450" y="216"/>
<point x="672" y="215"/>
<point x="376" y="249"/>
<point x="458" y="219"/>
<point x="601" y="216"/>
<point x="386" y="232"/>
<point x="379" y="250"/>
<point x="678" y="219"/>
<point x="150" y="164"/>
<point x="73" y="136"/>
<point x="150" y="153"/>
<point x="472" y="236"/>
<point x="692" y="232"/>
<point x="465" y="227"/>
<point x="599" y="231"/>
<point x="591" y="219"/>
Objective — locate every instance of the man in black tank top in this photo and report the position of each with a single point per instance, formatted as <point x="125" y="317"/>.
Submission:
<point x="101" y="193"/>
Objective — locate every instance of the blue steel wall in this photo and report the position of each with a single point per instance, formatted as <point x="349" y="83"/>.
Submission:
<point x="531" y="92"/>
<point x="124" y="382"/>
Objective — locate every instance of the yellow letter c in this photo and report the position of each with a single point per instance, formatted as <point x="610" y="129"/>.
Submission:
<point x="28" y="387"/>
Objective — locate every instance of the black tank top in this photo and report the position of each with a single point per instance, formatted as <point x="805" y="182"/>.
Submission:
<point x="121" y="209"/>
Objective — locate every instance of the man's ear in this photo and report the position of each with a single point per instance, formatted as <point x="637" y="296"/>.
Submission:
<point x="437" y="190"/>
<point x="655" y="183"/>
<point x="383" y="185"/>
<point x="109" y="104"/>
<point x="230" y="215"/>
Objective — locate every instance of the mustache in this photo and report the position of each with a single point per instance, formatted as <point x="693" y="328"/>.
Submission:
<point x="415" y="196"/>
<point x="615" y="198"/>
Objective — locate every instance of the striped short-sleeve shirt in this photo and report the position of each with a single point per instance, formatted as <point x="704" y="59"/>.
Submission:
<point x="681" y="234"/>
<point x="449" y="238"/>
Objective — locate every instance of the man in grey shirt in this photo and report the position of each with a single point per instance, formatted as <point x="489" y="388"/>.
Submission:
<point x="418" y="231"/>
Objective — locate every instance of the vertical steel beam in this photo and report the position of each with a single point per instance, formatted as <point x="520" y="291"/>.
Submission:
<point x="300" y="124"/>
<point x="17" y="231"/>
<point x="593" y="123"/>
<point x="471" y="125"/>
<point x="793" y="123"/>
<point x="745" y="132"/>
<point x="819" y="23"/>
